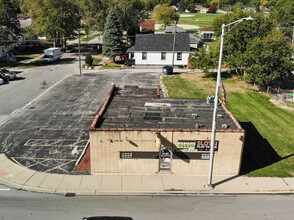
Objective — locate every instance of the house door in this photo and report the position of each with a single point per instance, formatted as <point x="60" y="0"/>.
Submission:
<point x="165" y="158"/>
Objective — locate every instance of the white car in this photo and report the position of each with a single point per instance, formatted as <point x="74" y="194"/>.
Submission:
<point x="11" y="75"/>
<point x="1" y="81"/>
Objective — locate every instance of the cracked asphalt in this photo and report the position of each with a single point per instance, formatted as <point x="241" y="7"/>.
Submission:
<point x="50" y="133"/>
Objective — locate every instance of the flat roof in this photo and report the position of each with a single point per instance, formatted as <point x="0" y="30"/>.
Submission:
<point x="135" y="108"/>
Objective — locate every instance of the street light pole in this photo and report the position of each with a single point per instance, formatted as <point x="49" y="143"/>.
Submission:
<point x="218" y="79"/>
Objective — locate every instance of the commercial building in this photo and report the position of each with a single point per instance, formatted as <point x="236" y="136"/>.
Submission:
<point x="138" y="131"/>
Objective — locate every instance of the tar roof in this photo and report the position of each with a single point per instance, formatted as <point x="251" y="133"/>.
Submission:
<point x="162" y="42"/>
<point x="133" y="108"/>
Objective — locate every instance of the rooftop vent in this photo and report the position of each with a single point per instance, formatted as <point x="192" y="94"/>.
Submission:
<point x="194" y="116"/>
<point x="209" y="99"/>
<point x="225" y="125"/>
<point x="199" y="125"/>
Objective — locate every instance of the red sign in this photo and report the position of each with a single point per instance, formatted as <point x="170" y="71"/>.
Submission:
<point x="204" y="145"/>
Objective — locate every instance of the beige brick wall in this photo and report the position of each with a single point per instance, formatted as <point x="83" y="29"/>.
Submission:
<point x="106" y="145"/>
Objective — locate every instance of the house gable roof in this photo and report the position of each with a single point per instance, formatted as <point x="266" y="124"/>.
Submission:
<point x="161" y="42"/>
<point x="204" y="29"/>
<point x="171" y="29"/>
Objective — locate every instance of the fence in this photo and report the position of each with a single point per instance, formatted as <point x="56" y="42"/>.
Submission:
<point x="282" y="96"/>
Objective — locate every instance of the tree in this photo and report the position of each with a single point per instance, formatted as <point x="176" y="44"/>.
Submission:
<point x="130" y="12"/>
<point x="284" y="16"/>
<point x="112" y="37"/>
<point x="268" y="59"/>
<point x="237" y="39"/>
<point x="9" y="24"/>
<point x="165" y="14"/>
<point x="94" y="13"/>
<point x="54" y="18"/>
<point x="205" y="59"/>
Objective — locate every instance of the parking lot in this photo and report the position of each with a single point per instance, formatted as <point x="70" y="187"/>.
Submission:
<point x="50" y="133"/>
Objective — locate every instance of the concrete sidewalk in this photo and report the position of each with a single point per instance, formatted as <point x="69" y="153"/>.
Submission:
<point x="19" y="177"/>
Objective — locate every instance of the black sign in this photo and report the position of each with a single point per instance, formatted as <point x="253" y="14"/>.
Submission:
<point x="154" y="155"/>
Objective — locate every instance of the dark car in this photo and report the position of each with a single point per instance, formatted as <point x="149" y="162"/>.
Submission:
<point x="107" y="218"/>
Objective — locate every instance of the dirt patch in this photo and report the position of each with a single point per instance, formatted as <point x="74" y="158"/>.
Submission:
<point x="279" y="103"/>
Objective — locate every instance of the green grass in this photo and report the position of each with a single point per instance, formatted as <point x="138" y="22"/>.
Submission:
<point x="270" y="143"/>
<point x="96" y="61"/>
<point x="201" y="20"/>
<point x="111" y="66"/>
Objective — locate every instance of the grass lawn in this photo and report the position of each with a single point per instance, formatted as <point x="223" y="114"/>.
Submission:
<point x="111" y="66"/>
<point x="269" y="142"/>
<point x="96" y="61"/>
<point x="201" y="20"/>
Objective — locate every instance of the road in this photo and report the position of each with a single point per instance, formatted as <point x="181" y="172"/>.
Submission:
<point x="45" y="125"/>
<point x="24" y="205"/>
<point x="32" y="82"/>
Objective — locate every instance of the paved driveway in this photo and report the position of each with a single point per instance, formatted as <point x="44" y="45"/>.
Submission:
<point x="50" y="134"/>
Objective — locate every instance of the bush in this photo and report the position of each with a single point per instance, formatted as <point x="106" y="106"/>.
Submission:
<point x="89" y="59"/>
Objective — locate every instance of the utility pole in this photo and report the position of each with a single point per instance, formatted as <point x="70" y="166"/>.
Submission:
<point x="174" y="43"/>
<point x="79" y="51"/>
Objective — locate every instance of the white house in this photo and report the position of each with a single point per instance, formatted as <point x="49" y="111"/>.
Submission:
<point x="206" y="33"/>
<point x="157" y="49"/>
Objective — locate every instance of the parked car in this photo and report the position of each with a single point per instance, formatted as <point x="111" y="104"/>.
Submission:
<point x="10" y="74"/>
<point x="107" y="218"/>
<point x="1" y="81"/>
<point x="4" y="77"/>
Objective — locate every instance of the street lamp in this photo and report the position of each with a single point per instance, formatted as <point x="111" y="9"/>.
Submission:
<point x="213" y="130"/>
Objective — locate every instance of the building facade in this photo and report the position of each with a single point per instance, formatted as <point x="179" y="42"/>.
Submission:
<point x="137" y="131"/>
<point x="161" y="49"/>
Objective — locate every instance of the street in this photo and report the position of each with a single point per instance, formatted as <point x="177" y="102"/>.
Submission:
<point x="30" y="83"/>
<point x="24" y="205"/>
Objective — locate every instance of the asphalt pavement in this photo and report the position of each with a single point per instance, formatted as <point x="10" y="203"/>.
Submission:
<point x="50" y="133"/>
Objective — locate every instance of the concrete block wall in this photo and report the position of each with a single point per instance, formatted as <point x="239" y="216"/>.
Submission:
<point x="106" y="146"/>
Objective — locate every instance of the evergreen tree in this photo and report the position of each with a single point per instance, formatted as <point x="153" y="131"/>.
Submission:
<point x="112" y="37"/>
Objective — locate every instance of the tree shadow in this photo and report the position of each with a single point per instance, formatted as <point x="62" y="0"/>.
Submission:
<point x="225" y="75"/>
<point x="257" y="152"/>
<point x="177" y="153"/>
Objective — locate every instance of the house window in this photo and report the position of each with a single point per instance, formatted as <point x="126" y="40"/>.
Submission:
<point x="144" y="55"/>
<point x="179" y="56"/>
<point x="163" y="55"/>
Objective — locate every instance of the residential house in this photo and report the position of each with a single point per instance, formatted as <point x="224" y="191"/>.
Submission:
<point x="7" y="42"/>
<point x="206" y="33"/>
<point x="147" y="26"/>
<point x="158" y="50"/>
